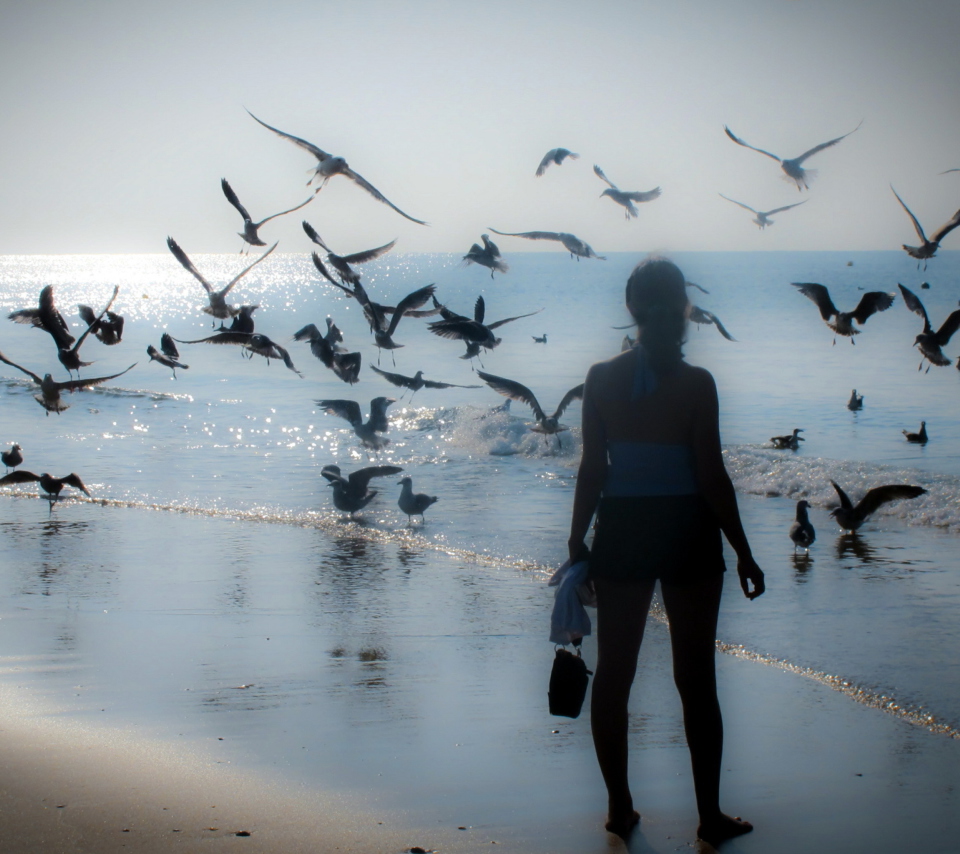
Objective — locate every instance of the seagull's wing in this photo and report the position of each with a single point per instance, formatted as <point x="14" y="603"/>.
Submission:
<point x="74" y="481"/>
<point x="530" y="235"/>
<point x="435" y="384"/>
<point x="576" y="393"/>
<point x="380" y="197"/>
<point x="369" y="254"/>
<point x="19" y="476"/>
<point x="701" y="315"/>
<point x="348" y="409"/>
<point x="871" y="303"/>
<point x="845" y="502"/>
<point x="408" y="303"/>
<point x="881" y="495"/>
<point x="739" y="141"/>
<point x="308" y="333"/>
<point x="397" y="379"/>
<point x="291" y="210"/>
<point x="747" y="207"/>
<point x="490" y="246"/>
<point x="225" y="337"/>
<point x="689" y="285"/>
<point x="332" y="473"/>
<point x="347" y="366"/>
<point x="599" y="173"/>
<point x="916" y="222"/>
<point x="479" y="309"/>
<point x="319" y="153"/>
<point x="234" y="200"/>
<point x="187" y="264"/>
<point x="226" y="288"/>
<point x="378" y="414"/>
<point x="784" y="208"/>
<point x="644" y="195"/>
<point x="312" y="234"/>
<point x="168" y="347"/>
<point x="548" y="158"/>
<point x="30" y="374"/>
<point x="86" y="314"/>
<point x="91" y="326"/>
<point x="461" y="329"/>
<point x="286" y="358"/>
<point x="824" y="145"/>
<point x="326" y="274"/>
<point x="950" y="325"/>
<point x="820" y="295"/>
<point x="497" y="323"/>
<point x="912" y="301"/>
<point x="515" y="391"/>
<point x="79" y="385"/>
<point x="361" y="477"/>
<point x="946" y="228"/>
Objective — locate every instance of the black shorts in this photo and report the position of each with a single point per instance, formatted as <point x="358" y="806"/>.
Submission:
<point x="675" y="538"/>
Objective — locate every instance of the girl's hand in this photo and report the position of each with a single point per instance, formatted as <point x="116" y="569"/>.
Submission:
<point x="749" y="572"/>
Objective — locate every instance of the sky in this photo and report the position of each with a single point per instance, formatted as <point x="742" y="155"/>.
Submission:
<point x="120" y="119"/>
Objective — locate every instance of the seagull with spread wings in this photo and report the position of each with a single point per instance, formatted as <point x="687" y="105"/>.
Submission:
<point x="931" y="343"/>
<point x="624" y="198"/>
<point x="51" y="485"/>
<point x="345" y="365"/>
<point x="46" y="317"/>
<point x="376" y="423"/>
<point x="328" y="166"/>
<point x="352" y="493"/>
<point x="850" y="516"/>
<point x="762" y="218"/>
<point x="169" y="357"/>
<point x="341" y="263"/>
<point x="253" y="343"/>
<point x="108" y="328"/>
<point x="474" y="333"/>
<point x="555" y="155"/>
<point x="546" y="424"/>
<point x="415" y="382"/>
<point x="928" y="247"/>
<point x="702" y="316"/>
<point x="70" y="359"/>
<point x="793" y="167"/>
<point x="249" y="233"/>
<point x="486" y="256"/>
<point x="870" y="303"/>
<point x="573" y="244"/>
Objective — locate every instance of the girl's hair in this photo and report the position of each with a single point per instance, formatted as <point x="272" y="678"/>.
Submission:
<point x="657" y="300"/>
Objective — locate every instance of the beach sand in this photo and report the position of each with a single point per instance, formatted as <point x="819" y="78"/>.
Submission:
<point x="351" y="695"/>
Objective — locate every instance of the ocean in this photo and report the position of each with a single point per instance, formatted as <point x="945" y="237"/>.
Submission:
<point x="209" y="586"/>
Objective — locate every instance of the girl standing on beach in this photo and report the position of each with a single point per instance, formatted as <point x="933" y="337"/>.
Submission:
<point x="653" y="472"/>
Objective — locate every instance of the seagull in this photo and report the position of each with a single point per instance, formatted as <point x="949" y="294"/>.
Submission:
<point x="350" y="493"/>
<point x="70" y="359"/>
<point x="48" y="483"/>
<point x="793" y="169"/>
<point x="555" y="155"/>
<point x="870" y="303"/>
<point x="218" y="299"/>
<point x="376" y="423"/>
<point x="243" y="322"/>
<point x="791" y="442"/>
<point x="927" y="248"/>
<point x="341" y="263"/>
<point x="169" y="356"/>
<point x="49" y="397"/>
<point x="376" y="314"/>
<point x="801" y="531"/>
<point x="249" y="233"/>
<point x="488" y="256"/>
<point x="12" y="458"/>
<point x="850" y="518"/>
<point x="474" y="332"/>
<point x="919" y="438"/>
<point x="328" y="166"/>
<point x="762" y="218"/>
<point x="345" y="365"/>
<point x="930" y="342"/>
<point x="546" y="424"/>
<point x="108" y="328"/>
<point x="47" y="318"/>
<point x="253" y="342"/>
<point x="855" y="402"/>
<point x="621" y="197"/>
<point x="702" y="316"/>
<point x="573" y="244"/>
<point x="539" y="340"/>
<point x="411" y="503"/>
<point x="416" y="382"/>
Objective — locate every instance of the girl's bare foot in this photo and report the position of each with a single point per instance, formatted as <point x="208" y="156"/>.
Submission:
<point x="721" y="828"/>
<point x="622" y="824"/>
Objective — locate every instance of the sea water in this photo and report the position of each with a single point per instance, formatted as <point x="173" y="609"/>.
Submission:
<point x="210" y="572"/>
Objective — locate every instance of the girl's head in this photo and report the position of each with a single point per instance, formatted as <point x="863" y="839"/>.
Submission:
<point x="657" y="300"/>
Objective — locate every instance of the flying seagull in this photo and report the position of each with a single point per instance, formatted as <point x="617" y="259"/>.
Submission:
<point x="702" y="316"/>
<point x="870" y="303"/>
<point x="376" y="423"/>
<point x="170" y="355"/>
<point x="328" y="166"/>
<point x="46" y="317"/>
<point x="218" y="299"/>
<point x="48" y="483"/>
<point x="851" y="517"/>
<point x="12" y="458"/>
<point x="351" y="493"/>
<point x="546" y="424"/>
<point x="474" y="333"/>
<point x="377" y="316"/>
<point x="345" y="365"/>
<point x="70" y="359"/>
<point x="414" y="503"/>
<point x="243" y="322"/>
<point x="793" y="168"/>
<point x="801" y="531"/>
<point x="341" y="263"/>
<point x="254" y="343"/>
<point x="918" y="438"/>
<point x="416" y="382"/>
<point x="762" y="218"/>
<point x="622" y="197"/>
<point x="249" y="233"/>
<point x="930" y="342"/>
<point x="108" y="329"/>
<point x="573" y="244"/>
<point x="486" y="256"/>
<point x="49" y="397"/>
<point x="555" y="155"/>
<point x="927" y="248"/>
<point x="791" y="441"/>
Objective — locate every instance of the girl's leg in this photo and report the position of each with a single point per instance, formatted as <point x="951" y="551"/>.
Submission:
<point x="621" y="616"/>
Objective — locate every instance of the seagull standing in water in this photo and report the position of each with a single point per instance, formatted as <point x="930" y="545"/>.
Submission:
<point x="870" y="303"/>
<point x="931" y="343"/>
<point x="851" y="517"/>
<point x="414" y="503"/>
<point x="791" y="442"/>
<point x="573" y="244"/>
<point x="918" y="438"/>
<point x="855" y="402"/>
<point x="328" y="166"/>
<point x="546" y="424"/>
<point x="793" y="168"/>
<point x="928" y="247"/>
<point x="801" y="531"/>
<point x="624" y="198"/>
<point x="555" y="155"/>
<point x="376" y="423"/>
<point x="488" y="256"/>
<point x="51" y="485"/>
<point x="249" y="233"/>
<point x="12" y="458"/>
<point x="351" y="493"/>
<point x="762" y="218"/>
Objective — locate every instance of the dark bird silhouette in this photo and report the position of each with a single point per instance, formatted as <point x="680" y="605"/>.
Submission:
<point x="49" y="397"/>
<point x="376" y="314"/>
<point x="546" y="424"/>
<point x="415" y="382"/>
<point x="791" y="441"/>
<point x="542" y="339"/>
<point x="624" y="198"/>
<point x="341" y="263"/>
<point x="851" y="517"/>
<point x="12" y="458"/>
<point x="475" y="333"/>
<point x="376" y="423"/>
<point x="870" y="303"/>
<point x="931" y="343"/>
<point x="573" y="244"/>
<point x="253" y="343"/>
<point x="70" y="359"/>
<point x="928" y="247"/>
<point x="218" y="306"/>
<point x="762" y="218"/>
<point x="249" y="233"/>
<point x="702" y="316"/>
<point x="487" y="256"/>
<point x="555" y="155"/>
<point x="414" y="503"/>
<point x="920" y="437"/>
<point x="855" y="402"/>
<point x="48" y="483"/>
<point x="46" y="317"/>
<point x="345" y="365"/>
<point x="328" y="166"/>
<point x="107" y="329"/>
<point x="170" y="355"/>
<point x="351" y="493"/>
<point x="243" y="322"/>
<point x="801" y="531"/>
<point x="793" y="168"/>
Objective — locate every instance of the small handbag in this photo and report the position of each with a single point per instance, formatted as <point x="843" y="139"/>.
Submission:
<point x="568" y="683"/>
